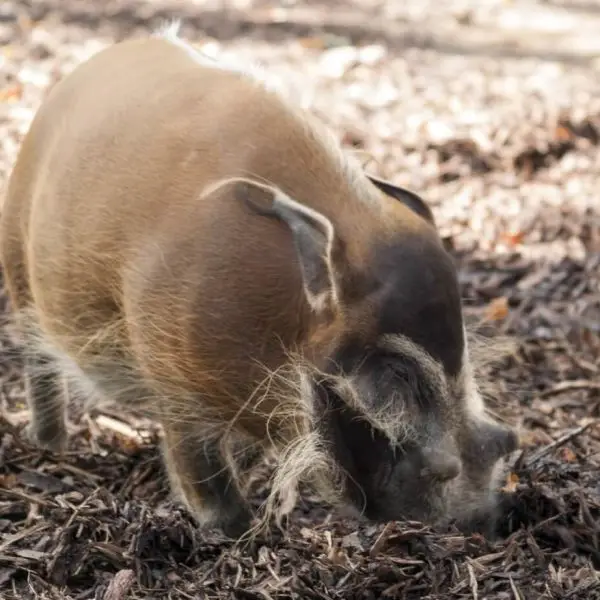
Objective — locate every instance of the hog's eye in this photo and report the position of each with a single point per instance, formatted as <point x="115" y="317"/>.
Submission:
<point x="395" y="370"/>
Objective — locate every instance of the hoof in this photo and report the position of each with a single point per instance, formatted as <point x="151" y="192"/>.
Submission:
<point x="54" y="441"/>
<point x="235" y="527"/>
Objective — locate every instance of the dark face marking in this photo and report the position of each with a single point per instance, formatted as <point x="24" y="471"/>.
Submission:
<point x="413" y="293"/>
<point x="397" y="425"/>
<point x="419" y="297"/>
<point x="382" y="481"/>
<point x="388" y="480"/>
<point x="438" y="471"/>
<point x="382" y="374"/>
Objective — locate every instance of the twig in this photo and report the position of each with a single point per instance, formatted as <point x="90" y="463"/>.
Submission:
<point x="514" y="589"/>
<point x="119" y="427"/>
<point x="380" y="541"/>
<point x="473" y="582"/>
<point x="561" y="441"/>
<point x="570" y="386"/>
<point x="78" y="509"/>
<point x="24" y="496"/>
<point x="9" y="540"/>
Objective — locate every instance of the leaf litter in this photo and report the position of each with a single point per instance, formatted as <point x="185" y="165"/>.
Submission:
<point x="504" y="145"/>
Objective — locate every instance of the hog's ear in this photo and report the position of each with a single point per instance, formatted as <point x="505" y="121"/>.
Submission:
<point x="408" y="198"/>
<point x="313" y="236"/>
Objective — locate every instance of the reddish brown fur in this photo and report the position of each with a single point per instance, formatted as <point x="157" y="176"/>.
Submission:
<point x="157" y="293"/>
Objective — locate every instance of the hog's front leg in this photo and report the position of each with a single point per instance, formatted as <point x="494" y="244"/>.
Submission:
<point x="200" y="474"/>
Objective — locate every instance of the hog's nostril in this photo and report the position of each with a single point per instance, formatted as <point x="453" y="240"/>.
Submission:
<point x="441" y="466"/>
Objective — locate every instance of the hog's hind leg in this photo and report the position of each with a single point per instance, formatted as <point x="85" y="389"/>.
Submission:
<point x="46" y="391"/>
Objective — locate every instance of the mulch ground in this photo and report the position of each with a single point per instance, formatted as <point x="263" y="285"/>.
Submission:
<point x="504" y="143"/>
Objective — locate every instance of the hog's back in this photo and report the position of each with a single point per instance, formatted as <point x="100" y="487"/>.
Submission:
<point x="104" y="235"/>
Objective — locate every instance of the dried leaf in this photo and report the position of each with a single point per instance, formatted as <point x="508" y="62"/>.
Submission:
<point x="8" y="481"/>
<point x="562" y="133"/>
<point x="512" y="481"/>
<point x="127" y="444"/>
<point x="12" y="92"/>
<point x="513" y="239"/>
<point x="313" y="43"/>
<point x="567" y="455"/>
<point x="497" y="309"/>
<point x="25" y="22"/>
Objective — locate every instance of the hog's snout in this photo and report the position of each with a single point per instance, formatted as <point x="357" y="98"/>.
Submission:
<point x="485" y="442"/>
